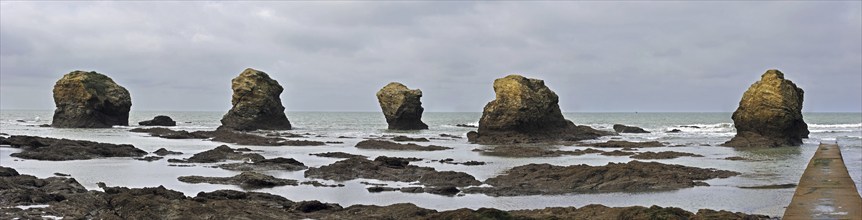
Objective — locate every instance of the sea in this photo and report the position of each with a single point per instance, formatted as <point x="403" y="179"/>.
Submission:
<point x="702" y="133"/>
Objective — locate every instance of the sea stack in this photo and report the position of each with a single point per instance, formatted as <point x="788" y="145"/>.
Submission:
<point x="401" y="107"/>
<point x="769" y="114"/>
<point x="526" y="111"/>
<point x="90" y="100"/>
<point x="256" y="103"/>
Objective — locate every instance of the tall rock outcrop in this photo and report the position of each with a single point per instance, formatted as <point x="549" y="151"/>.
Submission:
<point x="401" y="107"/>
<point x="90" y="100"/>
<point x="256" y="103"/>
<point x="769" y="114"/>
<point x="526" y="111"/>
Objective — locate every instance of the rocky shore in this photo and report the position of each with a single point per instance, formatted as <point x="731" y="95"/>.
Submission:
<point x="531" y="151"/>
<point x="246" y="180"/>
<point x="227" y="136"/>
<point x="42" y="148"/>
<point x="634" y="176"/>
<point x="390" y="169"/>
<point x="385" y="145"/>
<point x="220" y="154"/>
<point x="624" y="144"/>
<point x="160" y="120"/>
<point x="68" y="199"/>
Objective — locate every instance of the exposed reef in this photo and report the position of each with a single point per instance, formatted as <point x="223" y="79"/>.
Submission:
<point x="226" y="136"/>
<point x="338" y="155"/>
<point x="161" y="120"/>
<point x="624" y="144"/>
<point x="250" y="180"/>
<point x="42" y="148"/>
<point x="386" y="145"/>
<point x="663" y="155"/>
<point x="531" y="151"/>
<point x="219" y="154"/>
<point x="69" y="199"/>
<point x="390" y="169"/>
<point x="634" y="176"/>
<point x="278" y="163"/>
<point x="628" y="129"/>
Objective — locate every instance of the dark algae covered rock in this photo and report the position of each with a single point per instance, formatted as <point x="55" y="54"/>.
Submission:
<point x="256" y="103"/>
<point x="67" y="198"/>
<point x="161" y="120"/>
<point x="390" y="169"/>
<point x="526" y="111"/>
<point x="278" y="163"/>
<point x="21" y="189"/>
<point x="628" y="129"/>
<point x="386" y="145"/>
<point x="245" y="179"/>
<point x="769" y="114"/>
<point x="401" y="107"/>
<point x="42" y="148"/>
<point x="221" y="153"/>
<point x="90" y="100"/>
<point x="634" y="176"/>
<point x="227" y="136"/>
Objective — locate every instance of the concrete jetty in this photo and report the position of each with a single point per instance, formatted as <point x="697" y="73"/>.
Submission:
<point x="825" y="190"/>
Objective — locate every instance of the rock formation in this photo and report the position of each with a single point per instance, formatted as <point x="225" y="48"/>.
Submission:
<point x="634" y="176"/>
<point x="769" y="114"/>
<point x="67" y="198"/>
<point x="219" y="154"/>
<point x="386" y="145"/>
<point x="401" y="107"/>
<point x="256" y="103"/>
<point x="161" y="120"/>
<point x="246" y="180"/>
<point x="54" y="149"/>
<point x="526" y="111"/>
<point x="628" y="129"/>
<point x="90" y="100"/>
<point x="390" y="169"/>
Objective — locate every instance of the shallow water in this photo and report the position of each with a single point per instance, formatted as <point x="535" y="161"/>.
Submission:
<point x="770" y="166"/>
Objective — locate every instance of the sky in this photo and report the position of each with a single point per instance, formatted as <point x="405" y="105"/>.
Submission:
<point x="333" y="56"/>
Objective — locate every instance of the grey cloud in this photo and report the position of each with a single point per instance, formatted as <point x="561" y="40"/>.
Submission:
<point x="333" y="56"/>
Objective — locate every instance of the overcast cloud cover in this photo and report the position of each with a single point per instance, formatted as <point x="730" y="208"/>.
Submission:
<point x="333" y="56"/>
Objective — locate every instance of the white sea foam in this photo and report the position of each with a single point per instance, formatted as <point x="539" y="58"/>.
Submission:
<point x="857" y="125"/>
<point x="833" y="128"/>
<point x="25" y="207"/>
<point x="706" y="128"/>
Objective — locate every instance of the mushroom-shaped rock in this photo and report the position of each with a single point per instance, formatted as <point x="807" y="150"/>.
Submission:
<point x="769" y="114"/>
<point x="161" y="120"/>
<point x="401" y="107"/>
<point x="90" y="100"/>
<point x="256" y="103"/>
<point x="526" y="111"/>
